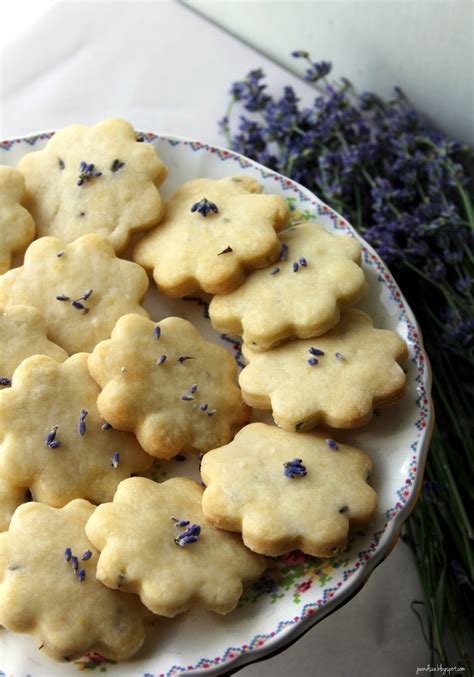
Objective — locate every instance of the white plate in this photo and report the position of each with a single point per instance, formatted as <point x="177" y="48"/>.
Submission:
<point x="297" y="591"/>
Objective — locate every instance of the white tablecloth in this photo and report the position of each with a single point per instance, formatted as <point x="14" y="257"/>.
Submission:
<point x="168" y="70"/>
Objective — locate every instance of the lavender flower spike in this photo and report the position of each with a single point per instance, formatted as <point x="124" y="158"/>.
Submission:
<point x="204" y="207"/>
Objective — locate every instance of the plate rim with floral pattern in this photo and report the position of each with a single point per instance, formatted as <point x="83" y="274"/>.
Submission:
<point x="379" y="543"/>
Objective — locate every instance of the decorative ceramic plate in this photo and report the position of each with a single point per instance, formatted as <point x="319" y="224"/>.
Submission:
<point x="296" y="591"/>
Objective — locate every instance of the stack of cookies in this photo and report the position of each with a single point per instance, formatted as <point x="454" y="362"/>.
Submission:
<point x="93" y="390"/>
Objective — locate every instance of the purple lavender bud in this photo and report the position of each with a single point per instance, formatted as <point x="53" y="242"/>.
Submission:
<point x="55" y="444"/>
<point x="86" y="555"/>
<point x="115" y="459"/>
<point x="51" y="438"/>
<point x="116" y="165"/>
<point x="211" y="412"/>
<point x="87" y="294"/>
<point x="332" y="444"/>
<point x="106" y="426"/>
<point x="62" y="297"/>
<point x="81" y="426"/>
<point x="157" y="332"/>
<point x="302" y="261"/>
<point x="180" y="523"/>
<point x="203" y="407"/>
<point x="75" y="563"/>
<point x="316" y="351"/>
<point x="340" y="356"/>
<point x="67" y="554"/>
<point x="284" y="252"/>
<point x="59" y="254"/>
<point x="81" y="574"/>
<point x="312" y="361"/>
<point x="187" y="398"/>
<point x="204" y="207"/>
<point x="189" y="535"/>
<point x="79" y="306"/>
<point x="296" y="266"/>
<point x="4" y="381"/>
<point x="275" y="271"/>
<point x="193" y="388"/>
<point x="61" y="163"/>
<point x="294" y="468"/>
<point x="161" y="359"/>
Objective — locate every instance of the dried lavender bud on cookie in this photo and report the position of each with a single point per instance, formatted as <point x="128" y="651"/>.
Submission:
<point x="52" y="439"/>
<point x="49" y="589"/>
<point x="286" y="491"/>
<point x="80" y="289"/>
<point x="157" y="543"/>
<point x="165" y="383"/>
<point x="212" y="235"/>
<point x="23" y="334"/>
<point x="17" y="228"/>
<point x="94" y="179"/>
<point x="337" y="379"/>
<point x="300" y="295"/>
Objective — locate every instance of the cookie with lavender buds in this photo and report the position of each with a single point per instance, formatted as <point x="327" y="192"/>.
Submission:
<point x="286" y="491"/>
<point x="165" y="383"/>
<point x="94" y="179"/>
<point x="22" y="334"/>
<point x="80" y="289"/>
<point x="17" y="228"/>
<point x="175" y="560"/>
<point x="301" y="295"/>
<point x="49" y="589"/>
<point x="52" y="438"/>
<point x="10" y="498"/>
<point x="336" y="380"/>
<point x="213" y="234"/>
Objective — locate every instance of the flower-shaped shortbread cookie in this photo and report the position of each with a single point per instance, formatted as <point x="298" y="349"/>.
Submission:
<point x="168" y="385"/>
<point x="285" y="490"/>
<point x="48" y="587"/>
<point x="17" y="227"/>
<point x="336" y="379"/>
<point x="52" y="439"/>
<point x="94" y="180"/>
<point x="10" y="498"/>
<point x="22" y="334"/>
<point x="81" y="290"/>
<point x="301" y="295"/>
<point x="156" y="542"/>
<point x="213" y="233"/>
